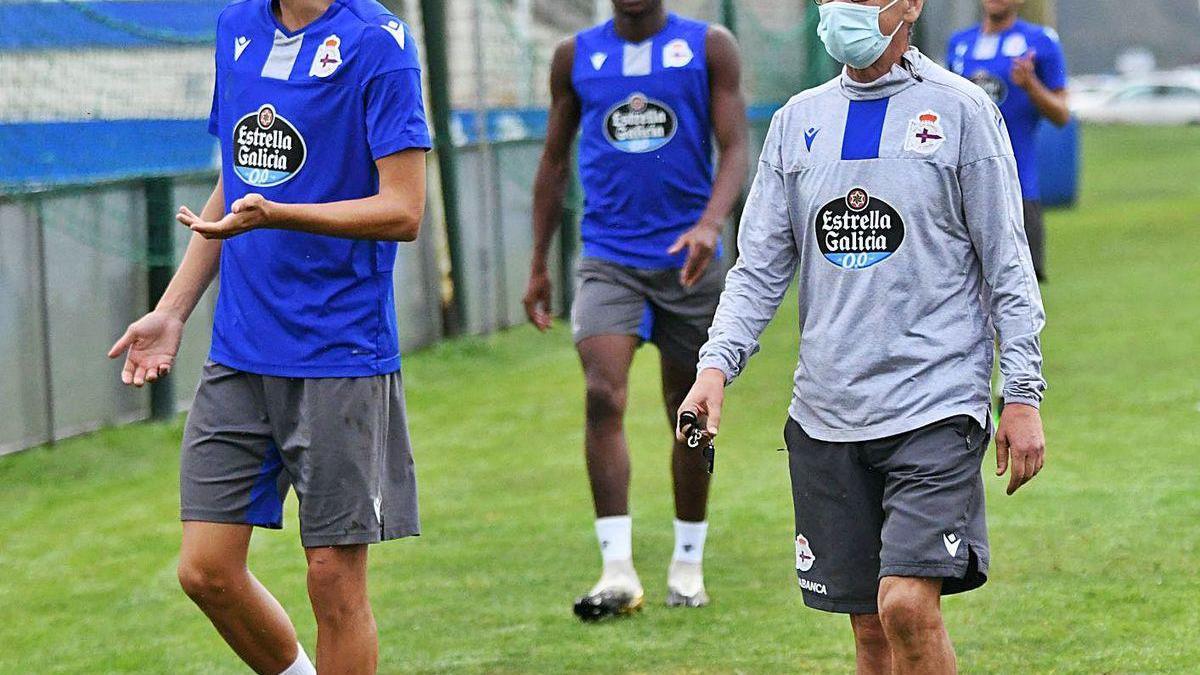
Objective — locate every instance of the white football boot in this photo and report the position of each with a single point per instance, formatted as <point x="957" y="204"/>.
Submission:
<point x="618" y="593"/>
<point x="685" y="585"/>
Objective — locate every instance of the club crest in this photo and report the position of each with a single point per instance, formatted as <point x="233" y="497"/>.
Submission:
<point x="677" y="54"/>
<point x="328" y="57"/>
<point x="925" y="134"/>
<point x="804" y="554"/>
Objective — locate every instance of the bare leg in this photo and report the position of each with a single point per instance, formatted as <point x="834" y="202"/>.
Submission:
<point x="911" y="613"/>
<point x="873" y="655"/>
<point x="606" y="360"/>
<point x="688" y="467"/>
<point x="212" y="571"/>
<point x="347" y="638"/>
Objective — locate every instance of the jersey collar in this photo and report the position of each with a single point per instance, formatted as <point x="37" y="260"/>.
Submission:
<point x="894" y="82"/>
<point x="333" y="8"/>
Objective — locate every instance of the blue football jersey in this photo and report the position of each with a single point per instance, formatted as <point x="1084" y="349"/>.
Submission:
<point x="987" y="60"/>
<point x="645" y="146"/>
<point x="301" y="118"/>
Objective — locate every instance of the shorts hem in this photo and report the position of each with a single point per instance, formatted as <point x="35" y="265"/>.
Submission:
<point x="204" y="516"/>
<point x="841" y="606"/>
<point x="580" y="337"/>
<point x="925" y="570"/>
<point x="356" y="538"/>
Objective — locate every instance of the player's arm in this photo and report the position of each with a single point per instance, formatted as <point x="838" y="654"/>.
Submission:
<point x="394" y="214"/>
<point x="550" y="187"/>
<point x="754" y="288"/>
<point x="991" y="194"/>
<point x="151" y="343"/>
<point x="728" y="113"/>
<point x="1042" y="74"/>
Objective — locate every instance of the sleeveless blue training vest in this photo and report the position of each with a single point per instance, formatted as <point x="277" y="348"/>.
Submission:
<point x="645" y="148"/>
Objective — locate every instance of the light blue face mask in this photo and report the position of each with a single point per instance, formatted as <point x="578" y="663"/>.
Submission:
<point x="851" y="32"/>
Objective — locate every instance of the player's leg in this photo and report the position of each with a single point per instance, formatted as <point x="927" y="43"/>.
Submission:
<point x="606" y="360"/>
<point x="213" y="573"/>
<point x="910" y="610"/>
<point x="1035" y="232"/>
<point x="345" y="440"/>
<point x="682" y="317"/>
<point x="689" y="473"/>
<point x="610" y="318"/>
<point x="873" y="655"/>
<point x="231" y="479"/>
<point x="934" y="537"/>
<point x="689" y="469"/>
<point x="347" y="638"/>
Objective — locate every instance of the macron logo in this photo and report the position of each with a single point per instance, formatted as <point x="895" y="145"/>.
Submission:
<point x="397" y="30"/>
<point x="951" y="541"/>
<point x="598" y="60"/>
<point x="810" y="136"/>
<point x="239" y="46"/>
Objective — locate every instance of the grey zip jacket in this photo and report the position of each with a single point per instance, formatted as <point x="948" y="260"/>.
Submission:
<point x="898" y="204"/>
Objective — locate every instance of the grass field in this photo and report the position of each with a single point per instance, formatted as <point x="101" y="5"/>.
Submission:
<point x="1094" y="565"/>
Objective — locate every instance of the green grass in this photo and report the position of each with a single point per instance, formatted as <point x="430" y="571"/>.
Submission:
<point x="1094" y="565"/>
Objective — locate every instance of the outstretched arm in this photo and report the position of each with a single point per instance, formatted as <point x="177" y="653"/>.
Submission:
<point x="728" y="112"/>
<point x="151" y="343"/>
<point x="550" y="188"/>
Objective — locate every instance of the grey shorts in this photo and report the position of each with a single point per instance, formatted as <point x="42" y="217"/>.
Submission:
<point x="341" y="443"/>
<point x="652" y="305"/>
<point x="910" y="505"/>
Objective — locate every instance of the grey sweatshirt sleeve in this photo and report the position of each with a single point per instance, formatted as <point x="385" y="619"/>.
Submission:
<point x="991" y="197"/>
<point x="767" y="258"/>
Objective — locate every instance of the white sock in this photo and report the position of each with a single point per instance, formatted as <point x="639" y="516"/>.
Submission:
<point x="689" y="541"/>
<point x="615" y="534"/>
<point x="301" y="666"/>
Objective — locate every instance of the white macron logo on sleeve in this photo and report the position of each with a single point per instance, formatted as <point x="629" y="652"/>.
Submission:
<point x="397" y="31"/>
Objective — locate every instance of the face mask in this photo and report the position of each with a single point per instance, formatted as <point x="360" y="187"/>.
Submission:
<point x="851" y="32"/>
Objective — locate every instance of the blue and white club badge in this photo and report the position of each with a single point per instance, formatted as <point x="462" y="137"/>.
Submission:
<point x="858" y="231"/>
<point x="267" y="149"/>
<point x="327" y="58"/>
<point x="640" y="124"/>
<point x="925" y="134"/>
<point x="677" y="53"/>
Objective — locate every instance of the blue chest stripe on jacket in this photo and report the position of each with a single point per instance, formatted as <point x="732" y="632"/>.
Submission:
<point x="864" y="129"/>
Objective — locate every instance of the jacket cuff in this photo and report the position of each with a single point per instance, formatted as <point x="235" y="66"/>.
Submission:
<point x="716" y="364"/>
<point x="1023" y="400"/>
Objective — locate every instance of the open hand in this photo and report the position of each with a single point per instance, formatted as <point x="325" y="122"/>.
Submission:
<point x="249" y="212"/>
<point x="150" y="345"/>
<point x="1020" y="444"/>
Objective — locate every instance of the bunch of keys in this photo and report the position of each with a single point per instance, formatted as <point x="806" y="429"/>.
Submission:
<point x="693" y="432"/>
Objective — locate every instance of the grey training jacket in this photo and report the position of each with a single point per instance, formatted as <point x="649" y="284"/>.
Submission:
<point x="899" y="204"/>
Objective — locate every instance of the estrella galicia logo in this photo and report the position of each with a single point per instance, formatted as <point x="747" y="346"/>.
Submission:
<point x="640" y="124"/>
<point x="858" y="230"/>
<point x="267" y="149"/>
<point x="995" y="87"/>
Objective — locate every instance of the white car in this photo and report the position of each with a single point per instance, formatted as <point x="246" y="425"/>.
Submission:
<point x="1162" y="100"/>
